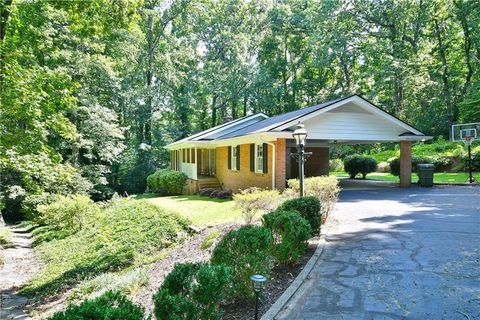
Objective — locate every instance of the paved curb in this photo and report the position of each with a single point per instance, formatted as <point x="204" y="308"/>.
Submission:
<point x="280" y="305"/>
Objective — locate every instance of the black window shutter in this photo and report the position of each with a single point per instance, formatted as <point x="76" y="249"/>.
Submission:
<point x="229" y="157"/>
<point x="252" y="157"/>
<point x="238" y="157"/>
<point x="265" y="158"/>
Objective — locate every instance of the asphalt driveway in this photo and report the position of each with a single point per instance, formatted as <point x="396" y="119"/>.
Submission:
<point x="397" y="254"/>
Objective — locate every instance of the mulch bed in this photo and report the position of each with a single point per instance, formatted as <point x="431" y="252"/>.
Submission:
<point x="278" y="281"/>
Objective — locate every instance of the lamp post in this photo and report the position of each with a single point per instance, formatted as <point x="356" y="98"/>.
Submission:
<point x="300" y="136"/>
<point x="258" y="282"/>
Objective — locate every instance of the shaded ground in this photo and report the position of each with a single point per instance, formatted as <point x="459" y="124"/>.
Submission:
<point x="397" y="254"/>
<point x="19" y="266"/>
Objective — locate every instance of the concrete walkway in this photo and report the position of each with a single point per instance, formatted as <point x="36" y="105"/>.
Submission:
<point x="19" y="266"/>
<point x="397" y="254"/>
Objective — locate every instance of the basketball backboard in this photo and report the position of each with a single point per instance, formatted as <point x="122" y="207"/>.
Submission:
<point x="465" y="131"/>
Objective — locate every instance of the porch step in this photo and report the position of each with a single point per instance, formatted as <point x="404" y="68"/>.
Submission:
<point x="209" y="183"/>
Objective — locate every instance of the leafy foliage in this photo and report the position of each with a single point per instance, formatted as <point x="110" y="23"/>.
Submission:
<point x="356" y="164"/>
<point x="290" y="231"/>
<point x="68" y="214"/>
<point x="92" y="91"/>
<point x="247" y="251"/>
<point x="325" y="189"/>
<point x="255" y="201"/>
<point x="109" y="306"/>
<point x="167" y="182"/>
<point x="192" y="291"/>
<point x="309" y="209"/>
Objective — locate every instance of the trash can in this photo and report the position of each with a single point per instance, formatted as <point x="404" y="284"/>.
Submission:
<point x="425" y="174"/>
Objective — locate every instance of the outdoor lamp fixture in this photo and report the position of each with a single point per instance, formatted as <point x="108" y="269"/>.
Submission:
<point x="300" y="136"/>
<point x="258" y="282"/>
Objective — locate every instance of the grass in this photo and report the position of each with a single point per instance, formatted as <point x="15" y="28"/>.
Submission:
<point x="125" y="235"/>
<point x="209" y="239"/>
<point x="438" y="177"/>
<point x="5" y="237"/>
<point x="201" y="211"/>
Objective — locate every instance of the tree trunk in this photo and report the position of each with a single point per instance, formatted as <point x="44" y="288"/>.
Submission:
<point x="214" y="111"/>
<point x="467" y="47"/>
<point x="452" y="113"/>
<point x="4" y="14"/>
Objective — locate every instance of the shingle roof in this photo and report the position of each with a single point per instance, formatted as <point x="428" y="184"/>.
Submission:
<point x="278" y="120"/>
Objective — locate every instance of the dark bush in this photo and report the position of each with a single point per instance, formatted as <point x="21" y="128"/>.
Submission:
<point x="308" y="207"/>
<point x="356" y="164"/>
<point x="247" y="251"/>
<point x="109" y="306"/>
<point x="167" y="182"/>
<point x="475" y="161"/>
<point x="205" y="192"/>
<point x="395" y="164"/>
<point x="225" y="194"/>
<point x="214" y="193"/>
<point x="290" y="231"/>
<point x="192" y="291"/>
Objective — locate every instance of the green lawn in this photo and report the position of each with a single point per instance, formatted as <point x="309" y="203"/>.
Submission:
<point x="202" y="211"/>
<point x="439" y="177"/>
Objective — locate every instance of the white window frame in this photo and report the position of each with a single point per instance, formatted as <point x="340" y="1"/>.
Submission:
<point x="259" y="160"/>
<point x="233" y="159"/>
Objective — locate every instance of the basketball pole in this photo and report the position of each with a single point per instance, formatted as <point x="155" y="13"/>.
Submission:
<point x="470" y="162"/>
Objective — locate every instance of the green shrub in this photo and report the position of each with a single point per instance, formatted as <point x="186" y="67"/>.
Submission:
<point x="247" y="251"/>
<point x="68" y="214"/>
<point x="395" y="164"/>
<point x="109" y="306"/>
<point x="308" y="207"/>
<point x="126" y="232"/>
<point x="167" y="182"/>
<point x="325" y="189"/>
<point x="192" y="291"/>
<point x="335" y="165"/>
<point x="290" y="231"/>
<point x="475" y="162"/>
<point x="255" y="201"/>
<point x="356" y="164"/>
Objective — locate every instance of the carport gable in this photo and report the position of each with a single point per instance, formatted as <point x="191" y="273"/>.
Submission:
<point x="352" y="119"/>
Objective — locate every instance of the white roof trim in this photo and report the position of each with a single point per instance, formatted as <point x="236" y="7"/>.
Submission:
<point x="214" y="130"/>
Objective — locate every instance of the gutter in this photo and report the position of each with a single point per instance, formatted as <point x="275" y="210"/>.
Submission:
<point x="273" y="161"/>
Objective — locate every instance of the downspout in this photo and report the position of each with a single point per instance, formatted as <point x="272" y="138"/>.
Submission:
<point x="273" y="161"/>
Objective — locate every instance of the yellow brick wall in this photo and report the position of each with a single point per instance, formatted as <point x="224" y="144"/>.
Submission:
<point x="236" y="180"/>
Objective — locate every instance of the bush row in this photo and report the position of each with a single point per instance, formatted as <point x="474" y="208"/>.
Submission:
<point x="167" y="182"/>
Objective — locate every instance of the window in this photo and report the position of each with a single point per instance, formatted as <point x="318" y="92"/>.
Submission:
<point x="259" y="158"/>
<point x="234" y="158"/>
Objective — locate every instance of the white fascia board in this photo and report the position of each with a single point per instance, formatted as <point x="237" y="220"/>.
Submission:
<point x="210" y="131"/>
<point x="362" y="103"/>
<point x="189" y="144"/>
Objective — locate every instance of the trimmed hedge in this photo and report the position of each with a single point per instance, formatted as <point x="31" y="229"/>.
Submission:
<point x="308" y="207"/>
<point x="167" y="182"/>
<point x="192" y="291"/>
<point x="395" y="164"/>
<point x="356" y="164"/>
<point x="291" y="232"/>
<point x="247" y="251"/>
<point x="109" y="306"/>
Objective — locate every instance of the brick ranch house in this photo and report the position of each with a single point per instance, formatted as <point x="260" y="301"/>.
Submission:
<point x="255" y="150"/>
